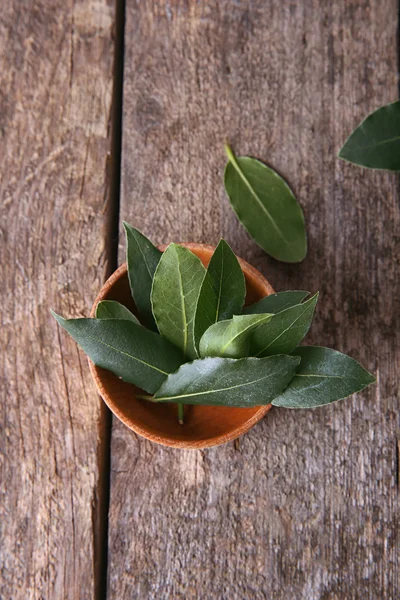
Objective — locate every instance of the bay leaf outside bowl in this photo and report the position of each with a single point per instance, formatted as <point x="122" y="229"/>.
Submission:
<point x="204" y="426"/>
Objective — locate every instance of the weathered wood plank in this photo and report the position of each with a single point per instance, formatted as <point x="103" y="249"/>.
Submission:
<point x="305" y="506"/>
<point x="56" y="61"/>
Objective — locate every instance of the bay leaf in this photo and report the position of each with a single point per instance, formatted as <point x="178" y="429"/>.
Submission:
<point x="132" y="352"/>
<point x="231" y="338"/>
<point x="175" y="292"/>
<point x="375" y="143"/>
<point x="218" y="381"/>
<point x="142" y="258"/>
<point x="222" y="292"/>
<point x="275" y="303"/>
<point x="109" y="309"/>
<point x="283" y="333"/>
<point x="266" y="207"/>
<point x="323" y="376"/>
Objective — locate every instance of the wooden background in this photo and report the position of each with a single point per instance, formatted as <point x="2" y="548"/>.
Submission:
<point x="305" y="506"/>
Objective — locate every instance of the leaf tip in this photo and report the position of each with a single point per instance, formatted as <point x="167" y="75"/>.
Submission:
<point x="173" y="246"/>
<point x="98" y="308"/>
<point x="223" y="244"/>
<point x="60" y="320"/>
<point x="341" y="154"/>
<point x="128" y="228"/>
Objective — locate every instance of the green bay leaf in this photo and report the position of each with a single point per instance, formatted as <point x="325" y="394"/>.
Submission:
<point x="222" y="292"/>
<point x="375" y="143"/>
<point x="231" y="338"/>
<point x="175" y="292"/>
<point x="142" y="258"/>
<point x="244" y="382"/>
<point x="110" y="309"/>
<point x="323" y="376"/>
<point x="135" y="354"/>
<point x="275" y="303"/>
<point x="283" y="333"/>
<point x="266" y="207"/>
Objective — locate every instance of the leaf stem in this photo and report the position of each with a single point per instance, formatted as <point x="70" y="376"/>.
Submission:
<point x="230" y="154"/>
<point x="180" y="414"/>
<point x="145" y="397"/>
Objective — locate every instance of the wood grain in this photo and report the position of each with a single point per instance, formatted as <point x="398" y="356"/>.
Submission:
<point x="305" y="507"/>
<point x="55" y="96"/>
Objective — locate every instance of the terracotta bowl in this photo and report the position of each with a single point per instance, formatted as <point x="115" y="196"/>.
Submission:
<point x="205" y="426"/>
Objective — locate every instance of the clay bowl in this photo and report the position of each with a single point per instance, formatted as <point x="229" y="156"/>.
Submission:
<point x="205" y="426"/>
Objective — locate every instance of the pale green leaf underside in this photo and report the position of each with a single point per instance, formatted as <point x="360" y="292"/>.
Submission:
<point x="275" y="303"/>
<point x="244" y="382"/>
<point x="222" y="292"/>
<point x="135" y="354"/>
<point x="110" y="309"/>
<point x="375" y="143"/>
<point x="176" y="287"/>
<point x="284" y="332"/>
<point x="231" y="338"/>
<point x="323" y="376"/>
<point x="266" y="207"/>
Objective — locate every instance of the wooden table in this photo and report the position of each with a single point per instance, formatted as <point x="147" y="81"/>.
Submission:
<point x="305" y="506"/>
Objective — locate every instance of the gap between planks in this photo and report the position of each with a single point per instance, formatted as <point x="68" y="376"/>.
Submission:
<point x="111" y="233"/>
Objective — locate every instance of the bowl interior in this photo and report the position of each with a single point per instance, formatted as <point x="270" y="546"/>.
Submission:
<point x="204" y="425"/>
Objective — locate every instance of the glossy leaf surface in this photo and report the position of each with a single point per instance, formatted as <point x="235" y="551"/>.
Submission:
<point x="222" y="292"/>
<point x="231" y="338"/>
<point x="375" y="143"/>
<point x="142" y="258"/>
<point x="228" y="382"/>
<point x="109" y="309"/>
<point x="283" y="333"/>
<point x="266" y="207"/>
<point x="176" y="287"/>
<point x="275" y="303"/>
<point x="323" y="376"/>
<point x="135" y="354"/>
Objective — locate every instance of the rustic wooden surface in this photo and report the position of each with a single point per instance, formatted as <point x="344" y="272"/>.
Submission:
<point x="305" y="507"/>
<point x="56" y="63"/>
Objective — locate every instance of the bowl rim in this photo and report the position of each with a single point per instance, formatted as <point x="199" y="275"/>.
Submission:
<point x="163" y="439"/>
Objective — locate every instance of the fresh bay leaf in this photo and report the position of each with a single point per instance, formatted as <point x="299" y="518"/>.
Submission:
<point x="218" y="381"/>
<point x="283" y="333"/>
<point x="109" y="309"/>
<point x="231" y="338"/>
<point x="175" y="292"/>
<point x="266" y="207"/>
<point x="375" y="143"/>
<point x="135" y="354"/>
<point x="275" y="303"/>
<point x="323" y="376"/>
<point x="222" y="292"/>
<point x="142" y="258"/>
